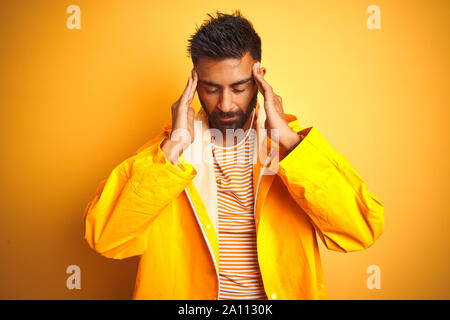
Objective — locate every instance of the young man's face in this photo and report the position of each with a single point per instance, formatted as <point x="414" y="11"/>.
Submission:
<point x="227" y="91"/>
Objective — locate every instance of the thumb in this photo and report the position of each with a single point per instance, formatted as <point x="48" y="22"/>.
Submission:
<point x="191" y="112"/>
<point x="190" y="115"/>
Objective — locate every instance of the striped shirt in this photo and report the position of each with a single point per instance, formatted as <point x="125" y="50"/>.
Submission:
<point x="239" y="274"/>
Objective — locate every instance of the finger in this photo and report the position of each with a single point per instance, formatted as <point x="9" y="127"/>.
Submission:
<point x="190" y="114"/>
<point x="193" y="86"/>
<point x="186" y="91"/>
<point x="263" y="87"/>
<point x="262" y="82"/>
<point x="257" y="81"/>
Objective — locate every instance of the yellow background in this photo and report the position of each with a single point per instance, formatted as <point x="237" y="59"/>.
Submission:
<point x="75" y="103"/>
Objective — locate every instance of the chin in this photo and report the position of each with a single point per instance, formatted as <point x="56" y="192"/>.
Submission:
<point x="223" y="128"/>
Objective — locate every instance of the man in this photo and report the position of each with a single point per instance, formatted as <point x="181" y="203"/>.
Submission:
<point x="226" y="204"/>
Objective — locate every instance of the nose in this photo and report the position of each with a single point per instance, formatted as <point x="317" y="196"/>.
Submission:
<point x="225" y="103"/>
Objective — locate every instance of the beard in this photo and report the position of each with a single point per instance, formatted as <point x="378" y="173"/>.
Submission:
<point x="238" y="123"/>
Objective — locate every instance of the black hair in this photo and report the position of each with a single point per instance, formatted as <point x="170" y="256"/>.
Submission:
<point x="225" y="36"/>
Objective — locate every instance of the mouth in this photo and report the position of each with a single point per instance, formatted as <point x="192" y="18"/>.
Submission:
<point x="227" y="119"/>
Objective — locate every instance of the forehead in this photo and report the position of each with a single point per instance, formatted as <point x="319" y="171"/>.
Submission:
<point x="225" y="71"/>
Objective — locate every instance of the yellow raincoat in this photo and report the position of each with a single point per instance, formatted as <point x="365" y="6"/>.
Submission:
<point x="167" y="214"/>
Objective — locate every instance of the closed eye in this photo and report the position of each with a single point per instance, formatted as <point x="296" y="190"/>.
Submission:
<point x="234" y="90"/>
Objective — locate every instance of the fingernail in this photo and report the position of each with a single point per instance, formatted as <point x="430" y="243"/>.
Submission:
<point x="258" y="64"/>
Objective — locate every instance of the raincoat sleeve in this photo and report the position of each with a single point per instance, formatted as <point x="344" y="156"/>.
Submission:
<point x="346" y="215"/>
<point x="130" y="198"/>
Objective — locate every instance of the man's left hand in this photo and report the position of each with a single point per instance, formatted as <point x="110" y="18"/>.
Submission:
<point x="273" y="106"/>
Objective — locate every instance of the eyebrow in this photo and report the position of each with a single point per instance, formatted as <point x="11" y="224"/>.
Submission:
<point x="212" y="84"/>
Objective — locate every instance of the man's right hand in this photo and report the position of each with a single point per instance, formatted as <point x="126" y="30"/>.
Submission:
<point x="182" y="122"/>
